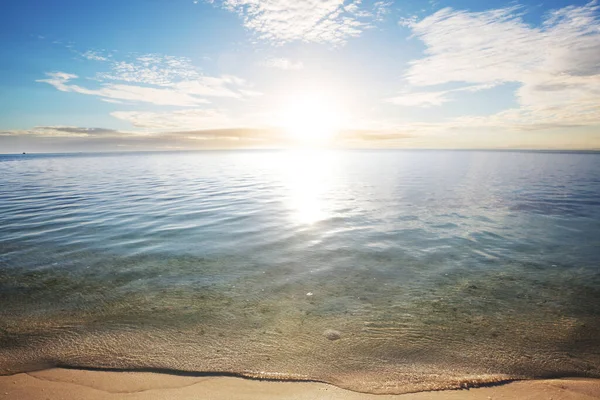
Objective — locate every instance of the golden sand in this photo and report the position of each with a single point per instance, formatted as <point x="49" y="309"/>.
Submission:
<point x="58" y="384"/>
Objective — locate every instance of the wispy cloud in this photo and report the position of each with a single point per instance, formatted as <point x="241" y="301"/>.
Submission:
<point x="232" y="137"/>
<point x="381" y="9"/>
<point x="282" y="63"/>
<point x="63" y="138"/>
<point x="557" y="63"/>
<point x="153" y="69"/>
<point x="223" y="86"/>
<point x="155" y="79"/>
<point x="188" y="119"/>
<point x="429" y="99"/>
<point x="112" y="101"/>
<point x="419" y="99"/>
<point x="94" y="55"/>
<point x="62" y="131"/>
<point x="322" y="21"/>
<point x="158" y="96"/>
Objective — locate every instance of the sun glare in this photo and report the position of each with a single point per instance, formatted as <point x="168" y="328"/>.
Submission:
<point x="310" y="119"/>
<point x="308" y="184"/>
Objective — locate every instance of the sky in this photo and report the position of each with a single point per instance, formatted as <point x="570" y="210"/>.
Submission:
<point x="132" y="75"/>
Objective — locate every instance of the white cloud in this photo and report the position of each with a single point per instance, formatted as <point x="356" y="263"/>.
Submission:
<point x="322" y="21"/>
<point x="250" y="93"/>
<point x="381" y="9"/>
<point x="212" y="86"/>
<point x="428" y="99"/>
<point x="156" y="79"/>
<point x="153" y="69"/>
<point x="73" y="138"/>
<point x="188" y="119"/>
<point x="113" y="101"/>
<point x="282" y="63"/>
<point x="94" y="55"/>
<point x="473" y="47"/>
<point x="420" y="99"/>
<point x="159" y="96"/>
<point x="557" y="63"/>
<point x="62" y="131"/>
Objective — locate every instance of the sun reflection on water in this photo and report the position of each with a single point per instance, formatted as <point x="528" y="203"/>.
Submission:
<point x="308" y="175"/>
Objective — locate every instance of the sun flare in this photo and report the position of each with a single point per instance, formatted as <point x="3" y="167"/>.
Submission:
<point x="310" y="119"/>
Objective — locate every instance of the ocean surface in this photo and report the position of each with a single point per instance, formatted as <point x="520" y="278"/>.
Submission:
<point x="377" y="271"/>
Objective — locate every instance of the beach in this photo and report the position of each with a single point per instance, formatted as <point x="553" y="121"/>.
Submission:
<point x="57" y="384"/>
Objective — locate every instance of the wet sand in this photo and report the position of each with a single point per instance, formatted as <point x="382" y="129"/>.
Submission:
<point x="57" y="384"/>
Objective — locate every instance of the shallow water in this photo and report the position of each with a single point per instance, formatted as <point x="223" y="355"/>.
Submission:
<point x="378" y="271"/>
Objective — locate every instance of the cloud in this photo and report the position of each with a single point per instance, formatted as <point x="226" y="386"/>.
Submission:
<point x="187" y="119"/>
<point x="415" y="135"/>
<point x="94" y="56"/>
<point x="156" y="79"/>
<point x="268" y="137"/>
<point x="381" y="9"/>
<point x="429" y="99"/>
<point x="213" y="86"/>
<point x="101" y="139"/>
<point x="250" y="93"/>
<point x="556" y="63"/>
<point x="62" y="131"/>
<point x="158" y="96"/>
<point x="152" y="69"/>
<point x="420" y="99"/>
<point x="282" y="63"/>
<point x="321" y="21"/>
<point x="77" y="130"/>
<point x="61" y="139"/>
<point x="371" y="137"/>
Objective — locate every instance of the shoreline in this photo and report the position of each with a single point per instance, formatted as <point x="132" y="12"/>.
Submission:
<point x="60" y="383"/>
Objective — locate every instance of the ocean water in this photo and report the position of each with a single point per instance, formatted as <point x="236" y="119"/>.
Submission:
<point x="377" y="271"/>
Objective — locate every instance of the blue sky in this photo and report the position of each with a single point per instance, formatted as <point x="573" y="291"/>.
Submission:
<point x="185" y="74"/>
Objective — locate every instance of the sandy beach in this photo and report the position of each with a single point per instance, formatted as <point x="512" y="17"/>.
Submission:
<point x="57" y="384"/>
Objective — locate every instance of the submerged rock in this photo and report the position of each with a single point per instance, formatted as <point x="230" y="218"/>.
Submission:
<point x="332" y="334"/>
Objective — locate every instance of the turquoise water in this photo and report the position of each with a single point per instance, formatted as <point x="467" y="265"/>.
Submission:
<point x="378" y="271"/>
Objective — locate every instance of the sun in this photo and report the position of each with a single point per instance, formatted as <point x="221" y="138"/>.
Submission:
<point x="310" y="118"/>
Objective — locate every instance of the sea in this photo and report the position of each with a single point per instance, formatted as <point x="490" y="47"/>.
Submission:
<point x="379" y="271"/>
